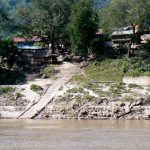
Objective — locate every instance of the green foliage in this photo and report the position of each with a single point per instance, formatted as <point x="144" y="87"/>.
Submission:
<point x="18" y="95"/>
<point x="82" y="27"/>
<point x="23" y="17"/>
<point x="80" y="79"/>
<point x="117" y="88"/>
<point x="101" y="3"/>
<point x="88" y="97"/>
<point x="112" y="70"/>
<point x="132" y="86"/>
<point x="11" y="77"/>
<point x="8" y="50"/>
<point x="7" y="24"/>
<point x="75" y="90"/>
<point x="50" y="18"/>
<point x="104" y="71"/>
<point x="35" y="88"/>
<point x="6" y="90"/>
<point x="50" y="71"/>
<point x="125" y="12"/>
<point x="3" y="21"/>
<point x="146" y="50"/>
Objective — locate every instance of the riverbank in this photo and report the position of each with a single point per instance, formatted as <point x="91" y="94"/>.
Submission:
<point x="101" y="108"/>
<point x="94" y="92"/>
<point x="99" y="93"/>
<point x="27" y="100"/>
<point x="75" y="103"/>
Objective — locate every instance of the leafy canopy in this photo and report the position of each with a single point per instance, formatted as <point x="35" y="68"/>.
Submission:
<point x="83" y="26"/>
<point x="124" y="13"/>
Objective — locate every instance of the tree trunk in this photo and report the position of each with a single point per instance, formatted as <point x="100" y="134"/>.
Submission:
<point x="130" y="51"/>
<point x="53" y="44"/>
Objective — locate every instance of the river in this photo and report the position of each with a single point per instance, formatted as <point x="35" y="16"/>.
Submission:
<point x="74" y="135"/>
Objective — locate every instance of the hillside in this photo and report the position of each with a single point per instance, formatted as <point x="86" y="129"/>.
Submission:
<point x="101" y="3"/>
<point x="15" y="3"/>
<point x="12" y="4"/>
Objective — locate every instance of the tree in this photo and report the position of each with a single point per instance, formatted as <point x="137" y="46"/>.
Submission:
<point x="82" y="27"/>
<point x="8" y="50"/>
<point x="50" y="18"/>
<point x="3" y="21"/>
<point x="7" y="25"/>
<point x="23" y="17"/>
<point x="122" y="13"/>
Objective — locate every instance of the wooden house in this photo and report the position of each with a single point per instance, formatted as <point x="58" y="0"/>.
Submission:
<point x="29" y="52"/>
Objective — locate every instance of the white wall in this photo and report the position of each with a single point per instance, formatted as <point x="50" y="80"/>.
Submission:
<point x="142" y="80"/>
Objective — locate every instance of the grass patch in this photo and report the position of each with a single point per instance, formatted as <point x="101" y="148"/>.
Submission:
<point x="117" y="89"/>
<point x="80" y="79"/>
<point x="36" y="88"/>
<point x="66" y="98"/>
<point x="113" y="70"/>
<point x="18" y="95"/>
<point x="75" y="90"/>
<point x="6" y="90"/>
<point x="133" y="86"/>
<point x="88" y="97"/>
<point x="50" y="71"/>
<point x="129" y="98"/>
<point x="105" y="70"/>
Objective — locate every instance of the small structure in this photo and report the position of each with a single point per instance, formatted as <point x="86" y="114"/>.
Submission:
<point x="102" y="43"/>
<point x="141" y="80"/>
<point x="145" y="38"/>
<point x="29" y="52"/>
<point x="123" y="35"/>
<point x="34" y="54"/>
<point x="29" y="42"/>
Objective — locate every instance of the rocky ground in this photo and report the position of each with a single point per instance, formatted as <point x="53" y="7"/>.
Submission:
<point x="86" y="99"/>
<point x="14" y="102"/>
<point x="73" y="102"/>
<point x="16" y="99"/>
<point x="101" y="108"/>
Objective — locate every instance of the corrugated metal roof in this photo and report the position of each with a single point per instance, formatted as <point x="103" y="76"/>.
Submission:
<point x="31" y="47"/>
<point x="23" y="39"/>
<point x="129" y="32"/>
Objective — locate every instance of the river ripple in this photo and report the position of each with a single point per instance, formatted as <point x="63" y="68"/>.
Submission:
<point x="74" y="135"/>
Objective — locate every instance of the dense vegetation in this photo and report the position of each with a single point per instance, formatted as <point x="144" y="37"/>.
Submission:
<point x="73" y="24"/>
<point x="15" y="3"/>
<point x="122" y="13"/>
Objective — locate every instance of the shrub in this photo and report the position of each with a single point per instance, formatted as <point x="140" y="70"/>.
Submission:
<point x="75" y="90"/>
<point x="50" y="71"/>
<point x="132" y="86"/>
<point x="11" y="77"/>
<point x="35" y="87"/>
<point x="117" y="88"/>
<point x="6" y="90"/>
<point x="88" y="97"/>
<point x="146" y="50"/>
<point x="18" y="95"/>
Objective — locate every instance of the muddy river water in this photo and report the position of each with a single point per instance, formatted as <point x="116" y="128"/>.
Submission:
<point x="74" y="135"/>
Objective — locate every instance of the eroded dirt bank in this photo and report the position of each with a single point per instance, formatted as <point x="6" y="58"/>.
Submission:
<point x="89" y="100"/>
<point x="100" y="108"/>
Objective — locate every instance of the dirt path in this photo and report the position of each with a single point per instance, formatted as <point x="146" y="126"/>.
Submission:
<point x="67" y="70"/>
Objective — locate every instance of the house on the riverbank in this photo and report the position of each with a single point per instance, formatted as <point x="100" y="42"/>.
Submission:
<point x="102" y="43"/>
<point x="22" y="42"/>
<point x="122" y="35"/>
<point x="30" y="51"/>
